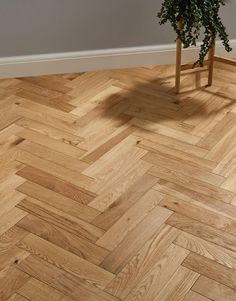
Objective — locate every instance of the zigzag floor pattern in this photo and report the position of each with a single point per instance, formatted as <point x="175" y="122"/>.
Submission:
<point x="114" y="188"/>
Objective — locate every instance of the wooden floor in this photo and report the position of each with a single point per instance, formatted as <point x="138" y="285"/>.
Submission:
<point x="114" y="188"/>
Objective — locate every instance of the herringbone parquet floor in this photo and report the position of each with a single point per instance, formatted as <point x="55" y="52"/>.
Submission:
<point x="114" y="188"/>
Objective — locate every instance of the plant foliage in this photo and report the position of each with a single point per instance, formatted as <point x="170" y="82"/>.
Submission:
<point x="195" y="15"/>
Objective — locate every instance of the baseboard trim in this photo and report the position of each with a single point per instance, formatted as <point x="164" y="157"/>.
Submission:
<point x="81" y="61"/>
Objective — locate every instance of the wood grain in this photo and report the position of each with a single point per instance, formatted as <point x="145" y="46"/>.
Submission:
<point x="115" y="188"/>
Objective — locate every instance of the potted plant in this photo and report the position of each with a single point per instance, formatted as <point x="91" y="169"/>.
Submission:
<point x="189" y="18"/>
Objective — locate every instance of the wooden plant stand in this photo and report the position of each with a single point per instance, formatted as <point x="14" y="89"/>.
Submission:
<point x="209" y="64"/>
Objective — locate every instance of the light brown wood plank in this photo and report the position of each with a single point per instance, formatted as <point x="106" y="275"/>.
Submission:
<point x="193" y="296"/>
<point x="191" y="183"/>
<point x="208" y="202"/>
<point x="101" y="171"/>
<point x="118" y="186"/>
<point x="50" y="131"/>
<point x="219" y="132"/>
<point x="157" y="277"/>
<point x="17" y="297"/>
<point x="10" y="218"/>
<point x="201" y="214"/>
<point x="214" y="290"/>
<point x="47" y="101"/>
<point x="171" y="143"/>
<point x="38" y="291"/>
<point x="143" y="262"/>
<point x="211" y="269"/>
<point x="58" y="201"/>
<point x="203" y="231"/>
<point x="63" y="281"/>
<point x="51" y="144"/>
<point x="130" y="220"/>
<point x="64" y="239"/>
<point x="57" y="185"/>
<point x="160" y="149"/>
<point x="66" y="260"/>
<point x="74" y="177"/>
<point x="164" y="130"/>
<point x="105" y="147"/>
<point x="10" y="281"/>
<point x="112" y="214"/>
<point x="207" y="249"/>
<point x="178" y="286"/>
<point x="186" y="169"/>
<point x="60" y="219"/>
<point x="151" y="224"/>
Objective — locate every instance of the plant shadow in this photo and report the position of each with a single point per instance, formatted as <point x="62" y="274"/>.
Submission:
<point x="148" y="94"/>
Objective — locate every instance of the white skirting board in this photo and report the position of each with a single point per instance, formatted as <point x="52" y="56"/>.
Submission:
<point x="56" y="63"/>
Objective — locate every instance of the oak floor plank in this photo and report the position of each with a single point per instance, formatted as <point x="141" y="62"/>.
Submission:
<point x="129" y="220"/>
<point x="11" y="256"/>
<point x="34" y="88"/>
<point x="46" y="116"/>
<point x="10" y="183"/>
<point x="151" y="224"/>
<point x="171" y="143"/>
<point x="207" y="249"/>
<point x="200" y="214"/>
<point x="39" y="291"/>
<point x="187" y="169"/>
<point x="45" y="141"/>
<point x="17" y="297"/>
<point x="11" y="281"/>
<point x="94" y="155"/>
<point x="203" y="231"/>
<point x="164" y="130"/>
<point x="47" y="101"/>
<point x="117" y="186"/>
<point x="88" y="110"/>
<point x="63" y="281"/>
<point x="51" y="131"/>
<point x="160" y="149"/>
<point x="10" y="218"/>
<point x="103" y="126"/>
<point x="142" y="262"/>
<point x="64" y="239"/>
<point x="57" y="185"/>
<point x="66" y="260"/>
<point x="156" y="278"/>
<point x="193" y="296"/>
<point x="101" y="171"/>
<point x="223" y="147"/>
<point x="191" y="183"/>
<point x="11" y="237"/>
<point x="42" y="110"/>
<point x="52" y="82"/>
<point x="213" y="290"/>
<point x="211" y="269"/>
<point x="204" y="201"/>
<point x="61" y="219"/>
<point x="218" y="132"/>
<point x="178" y="286"/>
<point x="111" y="215"/>
<point x="58" y="201"/>
<point x="74" y="177"/>
<point x="9" y="200"/>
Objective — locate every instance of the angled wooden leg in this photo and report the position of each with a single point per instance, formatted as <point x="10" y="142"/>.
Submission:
<point x="211" y="57"/>
<point x="178" y="65"/>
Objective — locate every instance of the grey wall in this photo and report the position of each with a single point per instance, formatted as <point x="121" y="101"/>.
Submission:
<point x="48" y="26"/>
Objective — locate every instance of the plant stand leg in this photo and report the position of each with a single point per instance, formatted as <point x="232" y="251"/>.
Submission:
<point x="211" y="57"/>
<point x="178" y="65"/>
